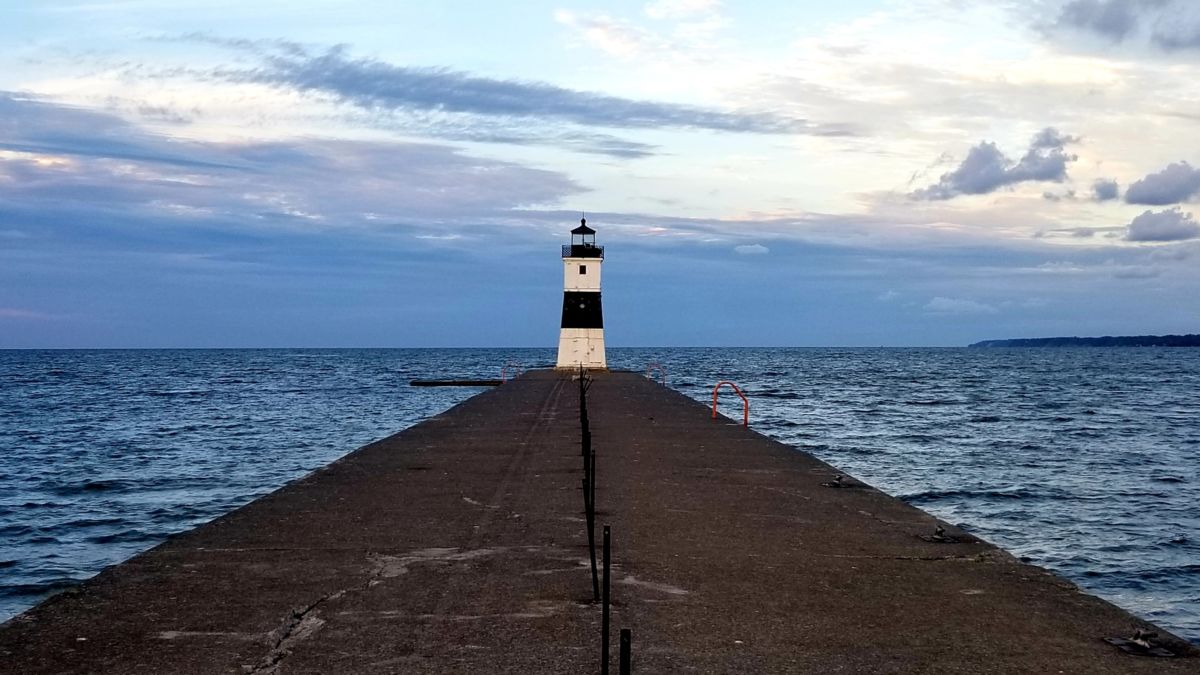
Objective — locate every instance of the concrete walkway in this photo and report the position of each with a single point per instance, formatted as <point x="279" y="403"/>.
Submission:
<point x="458" y="546"/>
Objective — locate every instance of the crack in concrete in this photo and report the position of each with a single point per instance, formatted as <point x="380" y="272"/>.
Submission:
<point x="301" y="625"/>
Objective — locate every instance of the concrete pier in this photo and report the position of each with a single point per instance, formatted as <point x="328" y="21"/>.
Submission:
<point x="459" y="546"/>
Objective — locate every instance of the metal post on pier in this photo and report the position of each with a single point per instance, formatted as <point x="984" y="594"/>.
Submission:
<point x="604" y="616"/>
<point x="626" y="662"/>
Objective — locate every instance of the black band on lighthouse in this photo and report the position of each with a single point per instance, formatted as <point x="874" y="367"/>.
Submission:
<point x="581" y="309"/>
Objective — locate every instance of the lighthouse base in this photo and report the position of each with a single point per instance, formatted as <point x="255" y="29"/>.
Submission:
<point x="581" y="347"/>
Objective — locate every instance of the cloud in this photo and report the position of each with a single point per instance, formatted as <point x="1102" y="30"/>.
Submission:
<point x="613" y="36"/>
<point x="942" y="305"/>
<point x="1170" y="25"/>
<point x="1068" y="195"/>
<point x="1113" y="19"/>
<point x="1105" y="189"/>
<point x="751" y="249"/>
<point x="377" y="86"/>
<point x="1167" y="225"/>
<point x="33" y="126"/>
<point x="986" y="169"/>
<point x="63" y="161"/>
<point x="1130" y="272"/>
<point x="25" y="314"/>
<point x="1177" y="183"/>
<point x="1180" y="30"/>
<point x="681" y="9"/>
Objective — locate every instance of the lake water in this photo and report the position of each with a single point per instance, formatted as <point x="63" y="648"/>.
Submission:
<point x="1085" y="461"/>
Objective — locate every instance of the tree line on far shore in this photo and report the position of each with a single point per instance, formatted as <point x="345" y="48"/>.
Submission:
<point x="1106" y="341"/>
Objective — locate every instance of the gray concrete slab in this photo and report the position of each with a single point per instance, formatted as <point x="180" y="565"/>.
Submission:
<point x="459" y="546"/>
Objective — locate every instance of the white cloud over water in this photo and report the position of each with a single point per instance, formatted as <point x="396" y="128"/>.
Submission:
<point x="942" y="305"/>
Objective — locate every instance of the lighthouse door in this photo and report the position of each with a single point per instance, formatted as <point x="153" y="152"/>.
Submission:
<point x="593" y="344"/>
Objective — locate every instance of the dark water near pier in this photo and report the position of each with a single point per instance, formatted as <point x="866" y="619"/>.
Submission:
<point x="1086" y="461"/>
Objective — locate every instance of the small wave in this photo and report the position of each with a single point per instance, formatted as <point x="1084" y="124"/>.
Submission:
<point x="90" y="486"/>
<point x="5" y="564"/>
<point x="48" y="586"/>
<point x="936" y="401"/>
<point x="1170" y="479"/>
<point x="986" y="419"/>
<point x="1141" y="577"/>
<point x="1014" y="493"/>
<point x="918" y="438"/>
<point x="123" y="536"/>
<point x="83" y="522"/>
<point x="856" y="450"/>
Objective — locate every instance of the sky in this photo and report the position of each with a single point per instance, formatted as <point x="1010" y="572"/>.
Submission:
<point x="261" y="173"/>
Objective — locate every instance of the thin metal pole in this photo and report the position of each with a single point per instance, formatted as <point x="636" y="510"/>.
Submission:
<point x="592" y="476"/>
<point x="626" y="651"/>
<point x="604" y="617"/>
<point x="590" y="518"/>
<point x="587" y="466"/>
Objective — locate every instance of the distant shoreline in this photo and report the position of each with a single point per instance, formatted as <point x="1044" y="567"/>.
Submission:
<point x="1106" y="341"/>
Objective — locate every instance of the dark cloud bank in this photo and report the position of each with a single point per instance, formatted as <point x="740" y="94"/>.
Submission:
<point x="987" y="169"/>
<point x="1170" y="25"/>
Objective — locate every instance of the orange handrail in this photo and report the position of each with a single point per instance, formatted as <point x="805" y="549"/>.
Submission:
<point x="504" y="371"/>
<point x="662" y="372"/>
<point x="745" y="401"/>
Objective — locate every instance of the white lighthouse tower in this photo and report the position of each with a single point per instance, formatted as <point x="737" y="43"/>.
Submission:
<point x="581" y="340"/>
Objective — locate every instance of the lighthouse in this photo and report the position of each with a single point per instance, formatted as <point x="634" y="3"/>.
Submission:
<point x="581" y="338"/>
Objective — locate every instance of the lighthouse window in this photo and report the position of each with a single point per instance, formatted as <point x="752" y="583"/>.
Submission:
<point x="583" y="269"/>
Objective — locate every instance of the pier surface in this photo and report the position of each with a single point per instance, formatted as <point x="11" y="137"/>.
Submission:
<point x="459" y="546"/>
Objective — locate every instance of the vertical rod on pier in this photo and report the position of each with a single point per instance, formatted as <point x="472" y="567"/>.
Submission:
<point x="604" y="616"/>
<point x="590" y="519"/>
<point x="626" y="662"/>
<point x="589" y="481"/>
<point x="587" y="473"/>
<point x="592" y="476"/>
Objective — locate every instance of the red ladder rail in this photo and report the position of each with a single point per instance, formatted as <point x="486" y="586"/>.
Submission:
<point x="504" y="371"/>
<point x="745" y="401"/>
<point x="662" y="372"/>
